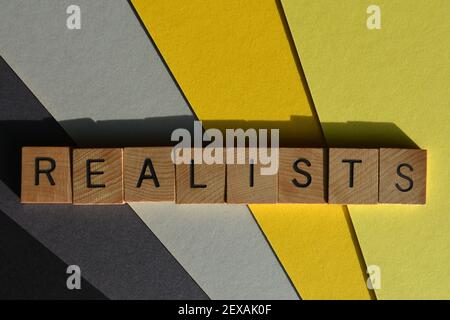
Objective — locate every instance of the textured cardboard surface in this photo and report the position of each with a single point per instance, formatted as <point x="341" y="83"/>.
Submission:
<point x="110" y="71"/>
<point x="234" y="63"/>
<point x="30" y="271"/>
<point x="115" y="251"/>
<point x="397" y="75"/>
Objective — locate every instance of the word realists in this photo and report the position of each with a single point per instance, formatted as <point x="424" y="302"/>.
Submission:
<point x="305" y="175"/>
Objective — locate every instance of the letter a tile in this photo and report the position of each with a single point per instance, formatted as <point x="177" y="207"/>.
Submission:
<point x="149" y="174"/>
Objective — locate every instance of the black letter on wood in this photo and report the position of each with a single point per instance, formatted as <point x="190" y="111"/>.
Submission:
<point x="148" y="164"/>
<point x="352" y="170"/>
<point x="302" y="172"/>
<point x="90" y="173"/>
<point x="411" y="182"/>
<point x="193" y="185"/>
<point x="38" y="170"/>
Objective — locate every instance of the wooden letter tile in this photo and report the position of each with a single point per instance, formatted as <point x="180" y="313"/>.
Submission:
<point x="46" y="175"/>
<point x="97" y="176"/>
<point x="301" y="175"/>
<point x="200" y="183"/>
<point x="353" y="176"/>
<point x="403" y="176"/>
<point x="245" y="184"/>
<point x="149" y="174"/>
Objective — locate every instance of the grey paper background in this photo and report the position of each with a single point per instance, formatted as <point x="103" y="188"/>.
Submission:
<point x="31" y="271"/>
<point x="110" y="71"/>
<point x="116" y="252"/>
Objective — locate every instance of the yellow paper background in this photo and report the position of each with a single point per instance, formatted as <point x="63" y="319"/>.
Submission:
<point x="398" y="75"/>
<point x="233" y="61"/>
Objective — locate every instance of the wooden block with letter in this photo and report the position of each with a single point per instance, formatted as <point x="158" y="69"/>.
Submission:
<point x="46" y="175"/>
<point x="149" y="174"/>
<point x="403" y="176"/>
<point x="246" y="184"/>
<point x="353" y="176"/>
<point x="97" y="176"/>
<point x="200" y="182"/>
<point x="301" y="175"/>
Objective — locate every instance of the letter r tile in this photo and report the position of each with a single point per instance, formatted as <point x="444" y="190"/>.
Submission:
<point x="353" y="176"/>
<point x="46" y="175"/>
<point x="97" y="176"/>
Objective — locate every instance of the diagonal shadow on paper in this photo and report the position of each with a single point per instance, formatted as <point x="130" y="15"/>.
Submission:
<point x="118" y="255"/>
<point x="39" y="275"/>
